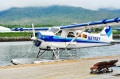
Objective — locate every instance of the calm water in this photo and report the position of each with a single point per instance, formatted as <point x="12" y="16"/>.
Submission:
<point x="12" y="50"/>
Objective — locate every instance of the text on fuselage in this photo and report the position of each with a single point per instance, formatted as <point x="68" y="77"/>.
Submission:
<point x="93" y="38"/>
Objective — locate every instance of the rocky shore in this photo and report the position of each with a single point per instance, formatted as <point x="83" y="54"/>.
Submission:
<point x="8" y="39"/>
<point x="116" y="35"/>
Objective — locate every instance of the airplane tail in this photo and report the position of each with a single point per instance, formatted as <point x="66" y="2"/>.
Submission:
<point x="107" y="32"/>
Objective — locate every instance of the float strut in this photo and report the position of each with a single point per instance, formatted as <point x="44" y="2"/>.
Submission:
<point x="40" y="53"/>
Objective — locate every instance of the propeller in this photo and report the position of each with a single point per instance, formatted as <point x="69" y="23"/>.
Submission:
<point x="34" y="38"/>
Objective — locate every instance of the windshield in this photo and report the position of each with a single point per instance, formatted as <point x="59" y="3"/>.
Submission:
<point x="53" y="29"/>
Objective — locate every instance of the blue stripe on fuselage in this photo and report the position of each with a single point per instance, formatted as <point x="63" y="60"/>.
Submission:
<point x="62" y="39"/>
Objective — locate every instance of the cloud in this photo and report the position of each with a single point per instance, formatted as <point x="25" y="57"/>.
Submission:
<point x="89" y="4"/>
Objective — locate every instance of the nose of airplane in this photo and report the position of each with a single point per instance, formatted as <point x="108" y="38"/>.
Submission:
<point x="38" y="40"/>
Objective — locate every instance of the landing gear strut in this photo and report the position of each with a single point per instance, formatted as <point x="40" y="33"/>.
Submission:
<point x="56" y="53"/>
<point x="40" y="53"/>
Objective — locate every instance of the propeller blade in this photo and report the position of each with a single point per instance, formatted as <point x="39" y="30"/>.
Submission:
<point x="39" y="40"/>
<point x="33" y="38"/>
<point x="30" y="48"/>
<point x="33" y="30"/>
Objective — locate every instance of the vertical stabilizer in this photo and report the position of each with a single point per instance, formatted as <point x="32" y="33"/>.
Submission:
<point x="107" y="33"/>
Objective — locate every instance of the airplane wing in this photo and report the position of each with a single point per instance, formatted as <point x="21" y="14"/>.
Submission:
<point x="118" y="29"/>
<point x="97" y="24"/>
<point x="28" y="29"/>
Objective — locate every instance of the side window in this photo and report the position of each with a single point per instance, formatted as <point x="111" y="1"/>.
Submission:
<point x="84" y="36"/>
<point x="70" y="34"/>
<point x="59" y="33"/>
<point x="78" y="35"/>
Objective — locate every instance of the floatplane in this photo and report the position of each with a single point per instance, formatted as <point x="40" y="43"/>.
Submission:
<point x="71" y="37"/>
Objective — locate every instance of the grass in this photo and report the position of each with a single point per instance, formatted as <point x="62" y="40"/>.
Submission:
<point x="116" y="32"/>
<point x="15" y="34"/>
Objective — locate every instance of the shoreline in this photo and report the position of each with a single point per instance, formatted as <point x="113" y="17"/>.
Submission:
<point x="116" y="35"/>
<point x="9" y="39"/>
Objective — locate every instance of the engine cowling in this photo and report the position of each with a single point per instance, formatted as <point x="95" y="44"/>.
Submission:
<point x="38" y="35"/>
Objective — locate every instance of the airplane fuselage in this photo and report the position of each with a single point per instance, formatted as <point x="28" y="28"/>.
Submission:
<point x="63" y="40"/>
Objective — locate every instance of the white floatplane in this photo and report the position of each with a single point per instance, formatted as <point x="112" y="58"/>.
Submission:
<point x="71" y="36"/>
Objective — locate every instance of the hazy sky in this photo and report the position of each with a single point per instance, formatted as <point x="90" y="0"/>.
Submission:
<point x="89" y="4"/>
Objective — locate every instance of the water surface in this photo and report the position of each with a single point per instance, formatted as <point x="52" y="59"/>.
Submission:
<point x="13" y="50"/>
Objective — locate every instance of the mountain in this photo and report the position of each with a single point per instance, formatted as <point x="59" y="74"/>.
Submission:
<point x="109" y="10"/>
<point x="55" y="15"/>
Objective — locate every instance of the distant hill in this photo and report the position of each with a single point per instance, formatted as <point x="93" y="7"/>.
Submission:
<point x="55" y="15"/>
<point x="109" y="10"/>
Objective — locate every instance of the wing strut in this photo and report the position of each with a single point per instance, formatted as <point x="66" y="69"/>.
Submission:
<point x="75" y="37"/>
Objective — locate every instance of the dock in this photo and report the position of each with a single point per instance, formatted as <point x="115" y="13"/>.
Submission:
<point x="67" y="69"/>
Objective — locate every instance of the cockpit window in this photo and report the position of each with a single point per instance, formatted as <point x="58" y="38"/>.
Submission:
<point x="37" y="35"/>
<point x="71" y="34"/>
<point x="59" y="33"/>
<point x="54" y="29"/>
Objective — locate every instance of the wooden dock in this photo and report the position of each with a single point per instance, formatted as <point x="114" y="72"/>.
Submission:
<point x="68" y="69"/>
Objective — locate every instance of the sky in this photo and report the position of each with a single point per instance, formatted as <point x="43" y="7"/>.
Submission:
<point x="88" y="4"/>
